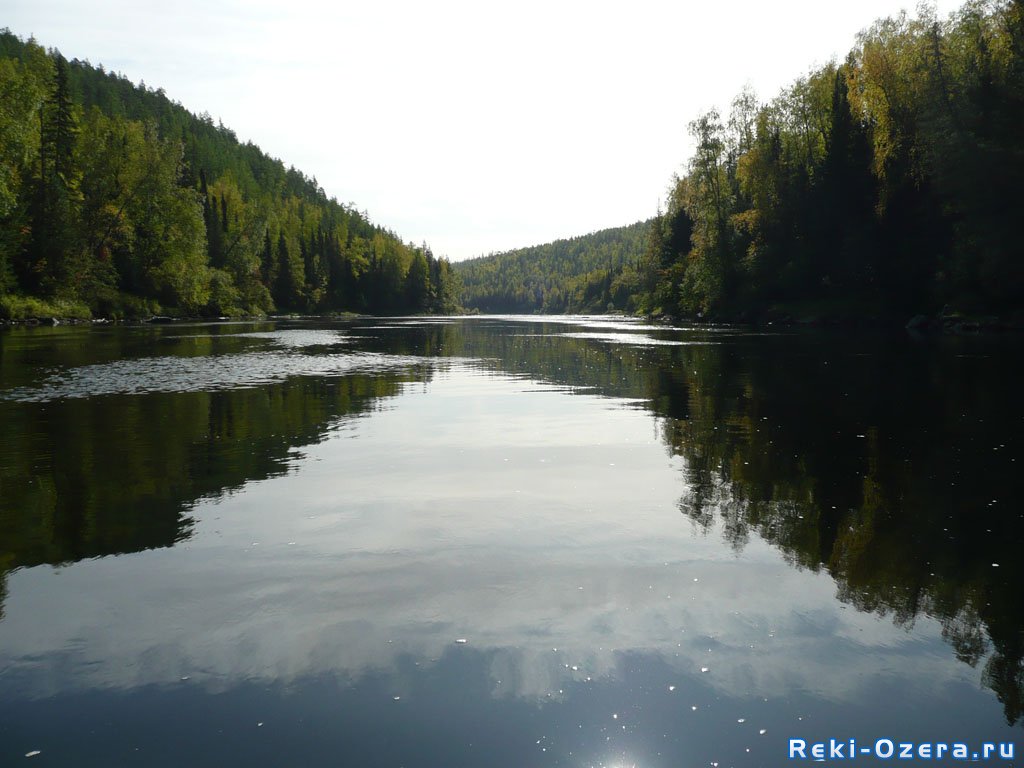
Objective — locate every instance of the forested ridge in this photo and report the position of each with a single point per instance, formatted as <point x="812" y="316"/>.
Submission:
<point x="590" y="273"/>
<point x="883" y="186"/>
<point x="116" y="201"/>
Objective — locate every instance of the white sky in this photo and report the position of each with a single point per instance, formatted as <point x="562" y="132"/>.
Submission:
<point x="475" y="126"/>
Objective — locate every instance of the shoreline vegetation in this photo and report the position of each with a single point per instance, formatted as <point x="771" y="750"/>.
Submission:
<point x="118" y="203"/>
<point x="947" y="322"/>
<point x="882" y="190"/>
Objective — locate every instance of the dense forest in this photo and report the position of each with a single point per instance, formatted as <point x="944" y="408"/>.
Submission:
<point x="888" y="184"/>
<point x="116" y="201"/>
<point x="592" y="273"/>
<point x="881" y="187"/>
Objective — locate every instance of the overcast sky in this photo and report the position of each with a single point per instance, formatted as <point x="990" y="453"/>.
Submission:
<point x="474" y="126"/>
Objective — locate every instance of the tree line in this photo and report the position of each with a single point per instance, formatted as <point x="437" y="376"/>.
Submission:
<point x="885" y="184"/>
<point x="116" y="201"/>
<point x="882" y="186"/>
<point x="586" y="274"/>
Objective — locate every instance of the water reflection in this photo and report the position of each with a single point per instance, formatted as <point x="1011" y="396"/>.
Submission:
<point x="85" y="473"/>
<point x="519" y="496"/>
<point x="898" y="478"/>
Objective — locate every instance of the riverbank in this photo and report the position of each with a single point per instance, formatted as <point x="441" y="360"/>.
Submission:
<point x="854" y="315"/>
<point x="55" y="320"/>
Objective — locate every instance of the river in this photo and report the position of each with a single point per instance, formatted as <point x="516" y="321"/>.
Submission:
<point x="504" y="541"/>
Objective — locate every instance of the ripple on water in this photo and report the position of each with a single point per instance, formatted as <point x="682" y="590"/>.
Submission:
<point x="201" y="374"/>
<point x="295" y="338"/>
<point x="637" y="339"/>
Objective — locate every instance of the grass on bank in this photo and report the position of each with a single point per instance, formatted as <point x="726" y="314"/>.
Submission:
<point x="13" y="307"/>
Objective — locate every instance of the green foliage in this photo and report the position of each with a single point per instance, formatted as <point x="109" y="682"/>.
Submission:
<point x="13" y="307"/>
<point x="109" y="190"/>
<point x="417" y="282"/>
<point x="581" y="274"/>
<point x="887" y="183"/>
<point x="882" y="187"/>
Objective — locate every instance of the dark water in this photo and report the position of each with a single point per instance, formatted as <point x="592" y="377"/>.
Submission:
<point x="504" y="542"/>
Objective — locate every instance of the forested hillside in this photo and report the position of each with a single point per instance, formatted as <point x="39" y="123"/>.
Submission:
<point x="592" y="273"/>
<point x="116" y="201"/>
<point x="886" y="185"/>
<point x="882" y="186"/>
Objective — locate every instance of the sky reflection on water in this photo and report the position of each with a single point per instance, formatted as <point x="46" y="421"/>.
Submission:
<point x="540" y="523"/>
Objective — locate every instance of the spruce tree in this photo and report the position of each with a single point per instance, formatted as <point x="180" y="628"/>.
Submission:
<point x="52" y="248"/>
<point x="284" y="283"/>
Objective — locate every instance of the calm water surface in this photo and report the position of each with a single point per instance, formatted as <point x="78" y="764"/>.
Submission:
<point x="503" y="542"/>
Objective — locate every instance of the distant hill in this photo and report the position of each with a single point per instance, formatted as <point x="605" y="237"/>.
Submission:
<point x="115" y="200"/>
<point x="877" y="188"/>
<point x="590" y="273"/>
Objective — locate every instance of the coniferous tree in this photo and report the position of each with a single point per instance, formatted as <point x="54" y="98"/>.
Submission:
<point x="107" y="216"/>
<point x="417" y="284"/>
<point x="284" y="282"/>
<point x="53" y="246"/>
<point x="267" y="260"/>
<point x="845" y="196"/>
